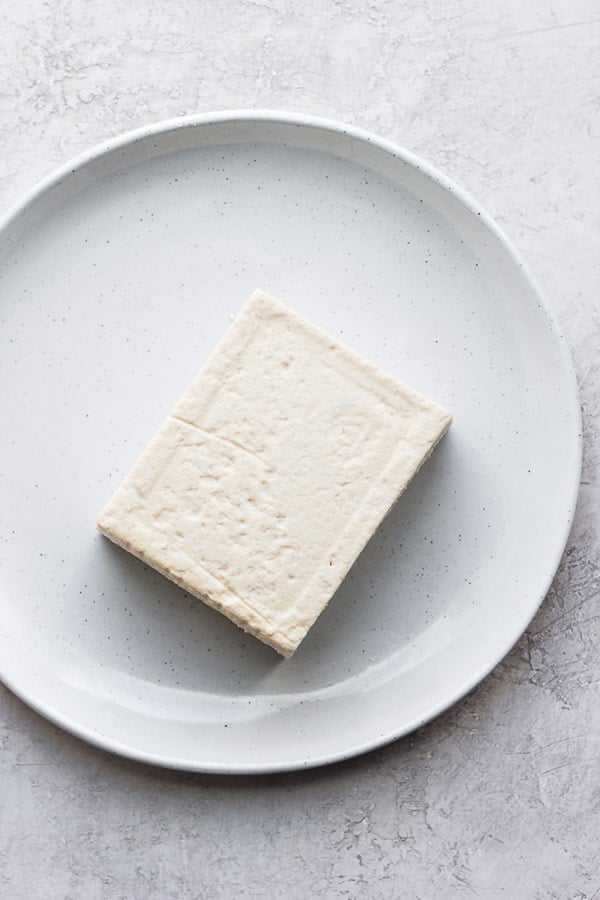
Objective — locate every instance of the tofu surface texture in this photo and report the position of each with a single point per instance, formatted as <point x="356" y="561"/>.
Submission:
<point x="272" y="472"/>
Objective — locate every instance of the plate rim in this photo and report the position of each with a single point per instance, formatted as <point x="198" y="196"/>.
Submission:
<point x="574" y="463"/>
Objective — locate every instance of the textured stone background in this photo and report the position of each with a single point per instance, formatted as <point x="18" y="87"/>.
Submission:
<point x="501" y="796"/>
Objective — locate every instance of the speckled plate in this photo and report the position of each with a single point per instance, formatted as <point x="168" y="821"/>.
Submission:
<point x="118" y="274"/>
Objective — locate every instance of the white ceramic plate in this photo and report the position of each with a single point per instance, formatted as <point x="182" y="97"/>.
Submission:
<point x="118" y="274"/>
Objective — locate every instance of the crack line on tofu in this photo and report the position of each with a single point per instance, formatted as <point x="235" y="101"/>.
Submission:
<point x="226" y="440"/>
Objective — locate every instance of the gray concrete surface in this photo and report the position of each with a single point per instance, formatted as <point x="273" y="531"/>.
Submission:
<point x="500" y="798"/>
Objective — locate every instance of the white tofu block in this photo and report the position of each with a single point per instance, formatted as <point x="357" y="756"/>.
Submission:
<point x="272" y="472"/>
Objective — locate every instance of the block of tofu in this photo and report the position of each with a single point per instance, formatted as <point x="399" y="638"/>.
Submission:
<point x="272" y="472"/>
